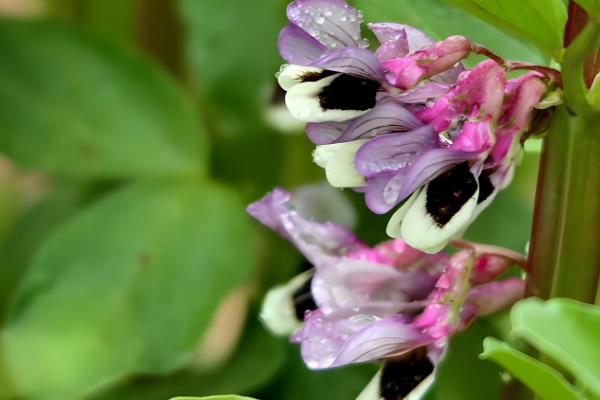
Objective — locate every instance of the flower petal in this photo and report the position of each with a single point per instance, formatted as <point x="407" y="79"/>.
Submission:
<point x="361" y="286"/>
<point x="332" y="22"/>
<point x="331" y="341"/>
<point x="280" y="313"/>
<point x="424" y="93"/>
<point x="292" y="75"/>
<point x="319" y="242"/>
<point x="333" y="98"/>
<point x="405" y="72"/>
<point x="353" y="61"/>
<point x="398" y="40"/>
<point x="298" y="47"/>
<point x="393" y="152"/>
<point x="429" y="165"/>
<point x="494" y="296"/>
<point x="388" y="116"/>
<point x="325" y="132"/>
<point x="338" y="161"/>
<point x="438" y="212"/>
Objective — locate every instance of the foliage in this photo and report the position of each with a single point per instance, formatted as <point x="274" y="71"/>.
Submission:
<point x="563" y="330"/>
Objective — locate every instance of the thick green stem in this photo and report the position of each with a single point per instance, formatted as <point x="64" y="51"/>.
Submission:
<point x="565" y="245"/>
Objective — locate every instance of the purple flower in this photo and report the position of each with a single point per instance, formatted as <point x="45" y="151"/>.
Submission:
<point x="332" y="77"/>
<point x="390" y="302"/>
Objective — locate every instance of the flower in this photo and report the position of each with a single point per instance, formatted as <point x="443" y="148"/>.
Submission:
<point x="406" y="124"/>
<point x="389" y="302"/>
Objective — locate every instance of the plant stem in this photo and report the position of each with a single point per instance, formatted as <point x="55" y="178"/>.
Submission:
<point x="564" y="257"/>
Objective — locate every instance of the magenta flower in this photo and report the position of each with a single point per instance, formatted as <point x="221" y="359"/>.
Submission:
<point x="390" y="302"/>
<point x="406" y="124"/>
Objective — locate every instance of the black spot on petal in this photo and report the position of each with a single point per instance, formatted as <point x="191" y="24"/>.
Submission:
<point x="486" y="187"/>
<point x="303" y="300"/>
<point x="449" y="192"/>
<point x="400" y="377"/>
<point x="348" y="92"/>
<point x="312" y="76"/>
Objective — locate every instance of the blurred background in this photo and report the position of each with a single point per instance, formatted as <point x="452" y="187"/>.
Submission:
<point x="132" y="135"/>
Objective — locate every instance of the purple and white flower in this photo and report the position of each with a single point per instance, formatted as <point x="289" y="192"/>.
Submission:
<point x="407" y="125"/>
<point x="390" y="302"/>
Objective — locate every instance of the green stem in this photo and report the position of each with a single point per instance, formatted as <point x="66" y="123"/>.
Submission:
<point x="565" y="253"/>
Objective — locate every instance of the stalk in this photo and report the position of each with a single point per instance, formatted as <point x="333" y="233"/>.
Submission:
<point x="564" y="258"/>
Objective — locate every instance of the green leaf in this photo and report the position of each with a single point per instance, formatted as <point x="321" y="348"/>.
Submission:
<point x="127" y="286"/>
<point x="592" y="7"/>
<point x="74" y="105"/>
<point x="540" y="378"/>
<point x="439" y="20"/>
<point x="257" y="358"/>
<point x="539" y="21"/>
<point x="565" y="330"/>
<point x="226" y="397"/>
<point x="232" y="55"/>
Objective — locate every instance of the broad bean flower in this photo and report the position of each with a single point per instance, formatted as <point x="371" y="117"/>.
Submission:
<point x="389" y="303"/>
<point x="406" y="124"/>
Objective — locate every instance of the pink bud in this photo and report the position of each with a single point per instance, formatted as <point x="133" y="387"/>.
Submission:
<point x="406" y="72"/>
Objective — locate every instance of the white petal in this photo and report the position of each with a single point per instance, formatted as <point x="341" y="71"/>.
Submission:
<point x="338" y="161"/>
<point x="419" y="229"/>
<point x="394" y="224"/>
<point x="277" y="311"/>
<point x="290" y="75"/>
<point x="371" y="391"/>
<point x="303" y="102"/>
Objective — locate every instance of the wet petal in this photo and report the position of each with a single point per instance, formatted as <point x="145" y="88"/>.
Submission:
<point x="338" y="161"/>
<point x="424" y="93"/>
<point x="398" y="40"/>
<point x="330" y="341"/>
<point x="319" y="242"/>
<point x="393" y="152"/>
<point x="298" y="47"/>
<point x="331" y="22"/>
<point x="361" y="286"/>
<point x="357" y="62"/>
<point x="405" y="72"/>
<point x="387" y="117"/>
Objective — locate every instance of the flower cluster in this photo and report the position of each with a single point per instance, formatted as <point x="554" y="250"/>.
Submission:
<point x="390" y="302"/>
<point x="407" y="124"/>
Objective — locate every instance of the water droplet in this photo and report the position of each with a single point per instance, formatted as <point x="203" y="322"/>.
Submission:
<point x="320" y="20"/>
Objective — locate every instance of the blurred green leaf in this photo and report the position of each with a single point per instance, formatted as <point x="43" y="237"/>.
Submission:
<point x="30" y="230"/>
<point x="439" y="20"/>
<point x="565" y="330"/>
<point x="538" y="21"/>
<point x="232" y="54"/>
<point x="540" y="378"/>
<point x="483" y="379"/>
<point x="77" y="106"/>
<point x="258" y="357"/>
<point x="127" y="286"/>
